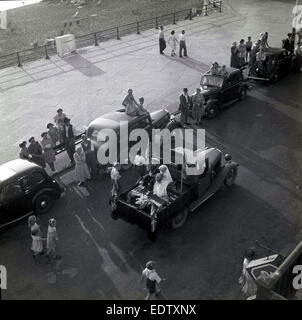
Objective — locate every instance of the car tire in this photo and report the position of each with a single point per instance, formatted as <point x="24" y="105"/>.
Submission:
<point x="212" y="110"/>
<point x="275" y="77"/>
<point x="43" y="203"/>
<point x="179" y="220"/>
<point x="114" y="215"/>
<point x="230" y="177"/>
<point x="242" y="93"/>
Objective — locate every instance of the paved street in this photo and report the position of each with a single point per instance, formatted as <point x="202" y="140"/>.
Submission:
<point x="103" y="258"/>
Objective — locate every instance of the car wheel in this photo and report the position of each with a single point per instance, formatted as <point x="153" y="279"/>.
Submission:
<point x="275" y="77"/>
<point x="179" y="220"/>
<point x="230" y="177"/>
<point x="114" y="215"/>
<point x="43" y="203"/>
<point x="212" y="110"/>
<point x="242" y="93"/>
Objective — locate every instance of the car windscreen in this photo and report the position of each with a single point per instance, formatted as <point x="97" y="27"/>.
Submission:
<point x="211" y="81"/>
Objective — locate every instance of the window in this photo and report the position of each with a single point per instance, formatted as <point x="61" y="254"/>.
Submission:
<point x="33" y="179"/>
<point x="11" y="192"/>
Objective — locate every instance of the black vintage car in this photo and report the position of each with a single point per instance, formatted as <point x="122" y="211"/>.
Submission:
<point x="220" y="91"/>
<point x="185" y="194"/>
<point x="277" y="63"/>
<point x="159" y="119"/>
<point x="25" y="188"/>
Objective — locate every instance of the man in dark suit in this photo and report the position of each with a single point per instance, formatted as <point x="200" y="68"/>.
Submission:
<point x="69" y="139"/>
<point x="184" y="106"/>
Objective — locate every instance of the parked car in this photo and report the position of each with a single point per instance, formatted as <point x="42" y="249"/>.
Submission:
<point x="277" y="63"/>
<point x="184" y="194"/>
<point x="159" y="119"/>
<point x="219" y="91"/>
<point x="25" y="188"/>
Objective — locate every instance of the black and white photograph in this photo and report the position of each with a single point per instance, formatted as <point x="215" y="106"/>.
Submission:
<point x="151" y="151"/>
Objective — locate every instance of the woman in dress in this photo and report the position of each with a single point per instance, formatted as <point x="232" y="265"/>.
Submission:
<point x="36" y="235"/>
<point x="48" y="152"/>
<point x="81" y="169"/>
<point x="52" y="238"/>
<point x="173" y="42"/>
<point x="198" y="102"/>
<point x="242" y="52"/>
<point x="53" y="133"/>
<point x="248" y="285"/>
<point x="235" y="56"/>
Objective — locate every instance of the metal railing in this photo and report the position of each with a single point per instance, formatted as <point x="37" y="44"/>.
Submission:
<point x="94" y="38"/>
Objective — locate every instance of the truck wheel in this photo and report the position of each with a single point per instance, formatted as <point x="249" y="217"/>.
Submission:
<point x="212" y="110"/>
<point x="242" y="93"/>
<point x="114" y="215"/>
<point x="230" y="177"/>
<point x="43" y="203"/>
<point x="179" y="220"/>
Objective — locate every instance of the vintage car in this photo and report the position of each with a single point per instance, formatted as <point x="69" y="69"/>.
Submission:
<point x="159" y="119"/>
<point x="277" y="63"/>
<point x="185" y="194"/>
<point x="220" y="91"/>
<point x="25" y="188"/>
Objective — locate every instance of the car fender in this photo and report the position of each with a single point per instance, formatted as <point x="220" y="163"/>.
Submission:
<point x="173" y="123"/>
<point x="45" y="190"/>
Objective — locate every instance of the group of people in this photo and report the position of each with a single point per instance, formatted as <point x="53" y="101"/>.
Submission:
<point x="62" y="132"/>
<point x="241" y="53"/>
<point x="173" y="41"/>
<point x="132" y="107"/>
<point x="38" y="248"/>
<point x="43" y="152"/>
<point x="194" y="104"/>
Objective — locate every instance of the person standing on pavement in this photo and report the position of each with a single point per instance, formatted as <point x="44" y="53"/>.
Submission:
<point x="235" y="61"/>
<point x="24" y="151"/>
<point x="248" y="48"/>
<point x="36" y="235"/>
<point x="162" y="41"/>
<point x="182" y="44"/>
<point x="69" y="139"/>
<point x="81" y="169"/>
<point x="248" y="285"/>
<point x="152" y="279"/>
<point x="52" y="238"/>
<point x="184" y="105"/>
<point x="48" y="151"/>
<point x="90" y="155"/>
<point x="53" y="133"/>
<point x="59" y="121"/>
<point x="35" y="150"/>
<point x="115" y="176"/>
<point x="198" y="102"/>
<point x="242" y="52"/>
<point x="173" y="42"/>
<point x="140" y="163"/>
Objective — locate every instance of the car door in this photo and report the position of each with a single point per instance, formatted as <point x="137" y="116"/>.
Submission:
<point x="227" y="89"/>
<point x="12" y="202"/>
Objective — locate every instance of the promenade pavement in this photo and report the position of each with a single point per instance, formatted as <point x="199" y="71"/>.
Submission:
<point x="95" y="80"/>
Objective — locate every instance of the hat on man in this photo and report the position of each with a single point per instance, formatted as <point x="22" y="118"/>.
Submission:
<point x="22" y="144"/>
<point x="59" y="110"/>
<point x="66" y="120"/>
<point x="43" y="134"/>
<point x="31" y="139"/>
<point x="150" y="264"/>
